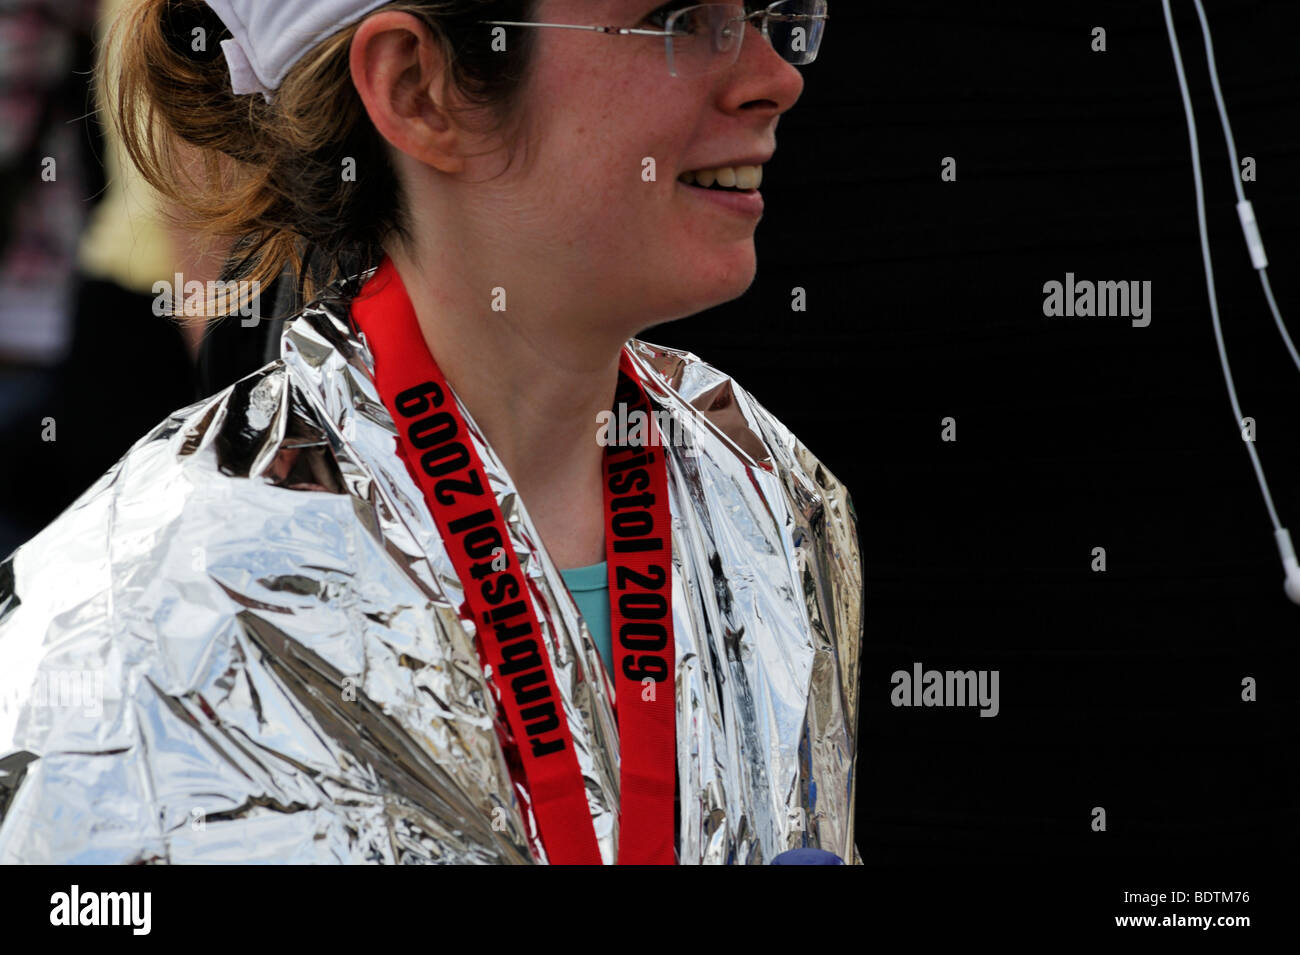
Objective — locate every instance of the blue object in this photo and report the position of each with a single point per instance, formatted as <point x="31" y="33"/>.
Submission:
<point x="590" y="588"/>
<point x="807" y="857"/>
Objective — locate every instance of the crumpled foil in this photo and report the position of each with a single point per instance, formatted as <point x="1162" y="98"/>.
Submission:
<point x="241" y="644"/>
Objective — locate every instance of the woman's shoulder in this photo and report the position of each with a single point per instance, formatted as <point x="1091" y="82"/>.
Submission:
<point x="226" y="532"/>
<point x="173" y="502"/>
<point x="703" y="390"/>
<point x="810" y="507"/>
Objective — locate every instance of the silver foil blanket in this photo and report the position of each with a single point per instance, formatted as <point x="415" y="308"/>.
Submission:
<point x="242" y="644"/>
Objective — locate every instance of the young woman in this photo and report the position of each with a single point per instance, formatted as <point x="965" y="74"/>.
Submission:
<point x="470" y="574"/>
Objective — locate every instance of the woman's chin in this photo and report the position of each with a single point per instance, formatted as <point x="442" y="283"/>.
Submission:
<point x="723" y="274"/>
<point x="737" y="279"/>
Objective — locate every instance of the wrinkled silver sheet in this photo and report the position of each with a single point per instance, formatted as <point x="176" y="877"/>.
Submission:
<point x="241" y="644"/>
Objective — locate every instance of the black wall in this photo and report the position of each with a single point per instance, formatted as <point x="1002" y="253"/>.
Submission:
<point x="1119" y="689"/>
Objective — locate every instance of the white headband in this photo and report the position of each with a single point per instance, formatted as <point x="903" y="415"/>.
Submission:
<point x="270" y="36"/>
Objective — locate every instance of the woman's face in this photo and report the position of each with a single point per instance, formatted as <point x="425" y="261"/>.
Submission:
<point x="577" y="205"/>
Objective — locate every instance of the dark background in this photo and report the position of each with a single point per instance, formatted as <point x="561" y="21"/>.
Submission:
<point x="1119" y="689"/>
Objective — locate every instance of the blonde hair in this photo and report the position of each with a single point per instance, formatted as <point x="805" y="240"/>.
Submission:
<point x="271" y="175"/>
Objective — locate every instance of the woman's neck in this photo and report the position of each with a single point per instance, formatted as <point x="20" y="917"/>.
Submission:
<point x="535" y="388"/>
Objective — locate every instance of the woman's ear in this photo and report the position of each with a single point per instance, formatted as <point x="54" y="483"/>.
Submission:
<point x="401" y="74"/>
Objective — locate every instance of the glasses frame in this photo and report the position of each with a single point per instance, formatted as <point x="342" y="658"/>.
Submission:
<point x="668" y="35"/>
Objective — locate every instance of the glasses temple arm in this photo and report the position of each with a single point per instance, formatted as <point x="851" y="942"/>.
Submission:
<point x="624" y="31"/>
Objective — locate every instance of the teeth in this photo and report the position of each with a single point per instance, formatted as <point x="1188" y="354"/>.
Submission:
<point x="732" y="177"/>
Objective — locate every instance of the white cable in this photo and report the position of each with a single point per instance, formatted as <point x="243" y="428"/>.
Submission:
<point x="1246" y="212"/>
<point x="1280" y="534"/>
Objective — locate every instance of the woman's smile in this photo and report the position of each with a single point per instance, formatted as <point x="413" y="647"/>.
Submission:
<point x="733" y="187"/>
<point x="747" y="202"/>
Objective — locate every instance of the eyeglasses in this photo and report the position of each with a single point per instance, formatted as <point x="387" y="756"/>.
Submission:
<point x="705" y="39"/>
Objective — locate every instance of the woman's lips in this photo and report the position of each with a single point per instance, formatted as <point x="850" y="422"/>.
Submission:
<point x="749" y="203"/>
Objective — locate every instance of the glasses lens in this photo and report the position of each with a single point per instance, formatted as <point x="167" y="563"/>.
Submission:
<point x="795" y="28"/>
<point x="705" y="38"/>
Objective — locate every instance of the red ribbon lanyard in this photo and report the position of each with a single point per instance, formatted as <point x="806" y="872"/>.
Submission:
<point x="434" y="443"/>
